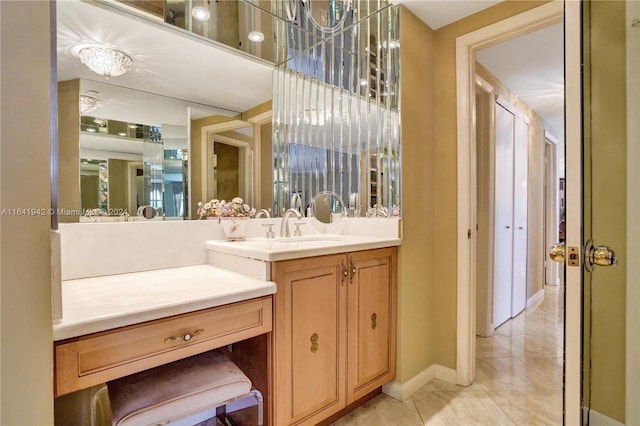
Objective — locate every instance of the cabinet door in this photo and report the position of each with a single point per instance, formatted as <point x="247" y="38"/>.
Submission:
<point x="310" y="339"/>
<point x="371" y="321"/>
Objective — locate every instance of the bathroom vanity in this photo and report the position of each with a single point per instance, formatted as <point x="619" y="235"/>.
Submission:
<point x="334" y="319"/>
<point x="309" y="319"/>
<point x="334" y="332"/>
<point x="117" y="325"/>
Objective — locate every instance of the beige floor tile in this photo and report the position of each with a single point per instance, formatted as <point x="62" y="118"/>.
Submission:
<point x="529" y="345"/>
<point x="543" y="373"/>
<point x="383" y="411"/>
<point x="507" y="373"/>
<point x="442" y="386"/>
<point x="488" y="347"/>
<point x="537" y="408"/>
<point x="509" y="327"/>
<point x="459" y="408"/>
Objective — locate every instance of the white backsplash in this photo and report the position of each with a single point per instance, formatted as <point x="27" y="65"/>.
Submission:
<point x="108" y="248"/>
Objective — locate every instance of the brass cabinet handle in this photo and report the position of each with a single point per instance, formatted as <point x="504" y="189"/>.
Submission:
<point x="314" y="343"/>
<point x="353" y="272"/>
<point x="345" y="273"/>
<point x="374" y="320"/>
<point x="184" y="338"/>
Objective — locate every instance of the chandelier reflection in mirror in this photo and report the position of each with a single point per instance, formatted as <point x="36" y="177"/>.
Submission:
<point x="336" y="119"/>
<point x="89" y="101"/>
<point x="105" y="61"/>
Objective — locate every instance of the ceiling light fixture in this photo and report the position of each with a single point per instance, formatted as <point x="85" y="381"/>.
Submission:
<point x="105" y="61"/>
<point x="89" y="101"/>
<point x="201" y="13"/>
<point x="256" y="36"/>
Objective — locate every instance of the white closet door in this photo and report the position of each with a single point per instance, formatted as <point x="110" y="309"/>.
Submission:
<point x="520" y="176"/>
<point x="503" y="244"/>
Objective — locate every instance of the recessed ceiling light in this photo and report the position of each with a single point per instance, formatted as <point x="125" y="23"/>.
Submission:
<point x="122" y="134"/>
<point x="91" y="130"/>
<point x="132" y="126"/>
<point x="256" y="36"/>
<point x="201" y="13"/>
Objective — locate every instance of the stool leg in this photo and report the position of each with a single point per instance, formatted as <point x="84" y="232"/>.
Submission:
<point x="221" y="413"/>
<point x="258" y="396"/>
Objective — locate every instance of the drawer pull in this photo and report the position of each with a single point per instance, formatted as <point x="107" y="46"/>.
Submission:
<point x="374" y="320"/>
<point x="314" y="343"/>
<point x="185" y="338"/>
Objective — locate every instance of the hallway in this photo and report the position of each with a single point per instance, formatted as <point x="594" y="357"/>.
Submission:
<point x="518" y="379"/>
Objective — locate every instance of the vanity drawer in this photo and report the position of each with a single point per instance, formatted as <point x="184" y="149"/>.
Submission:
<point x="97" y="358"/>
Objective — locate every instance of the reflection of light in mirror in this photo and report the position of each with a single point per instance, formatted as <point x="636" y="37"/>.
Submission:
<point x="200" y="13"/>
<point x="256" y="36"/>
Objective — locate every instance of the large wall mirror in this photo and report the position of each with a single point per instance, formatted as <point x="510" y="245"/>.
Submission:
<point x="186" y="123"/>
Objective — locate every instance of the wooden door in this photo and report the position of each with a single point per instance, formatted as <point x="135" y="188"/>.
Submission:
<point x="371" y="321"/>
<point x="503" y="229"/>
<point x="310" y="338"/>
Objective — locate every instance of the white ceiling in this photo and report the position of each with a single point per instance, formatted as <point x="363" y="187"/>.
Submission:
<point x="438" y="13"/>
<point x="532" y="65"/>
<point x="169" y="62"/>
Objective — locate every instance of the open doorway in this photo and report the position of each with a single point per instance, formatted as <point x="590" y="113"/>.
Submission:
<point x="467" y="47"/>
<point x="515" y="212"/>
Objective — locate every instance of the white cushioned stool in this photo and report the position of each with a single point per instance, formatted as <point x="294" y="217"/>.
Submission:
<point x="177" y="390"/>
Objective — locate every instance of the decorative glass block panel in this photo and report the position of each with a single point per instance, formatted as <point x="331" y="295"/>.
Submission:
<point x="336" y="119"/>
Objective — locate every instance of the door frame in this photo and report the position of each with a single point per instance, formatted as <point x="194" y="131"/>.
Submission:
<point x="552" y="206"/>
<point x="466" y="47"/>
<point x="632" y="409"/>
<point x="485" y="206"/>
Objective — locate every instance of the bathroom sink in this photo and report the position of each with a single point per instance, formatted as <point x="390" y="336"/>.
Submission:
<point x="282" y="248"/>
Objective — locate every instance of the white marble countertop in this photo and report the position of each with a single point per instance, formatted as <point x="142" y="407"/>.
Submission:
<point x="101" y="303"/>
<point x="273" y="249"/>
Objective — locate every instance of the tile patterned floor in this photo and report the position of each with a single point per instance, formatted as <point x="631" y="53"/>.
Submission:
<point x="518" y="379"/>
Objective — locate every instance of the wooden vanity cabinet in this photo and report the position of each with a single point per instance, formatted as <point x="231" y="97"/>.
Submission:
<point x="334" y="332"/>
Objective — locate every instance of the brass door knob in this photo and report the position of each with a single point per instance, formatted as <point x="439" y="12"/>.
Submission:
<point x="556" y="253"/>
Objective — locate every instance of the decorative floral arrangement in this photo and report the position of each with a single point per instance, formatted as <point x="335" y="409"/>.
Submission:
<point x="382" y="211"/>
<point x="221" y="208"/>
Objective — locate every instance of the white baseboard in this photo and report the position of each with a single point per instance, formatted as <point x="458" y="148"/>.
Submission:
<point x="535" y="298"/>
<point x="594" y="418"/>
<point x="403" y="391"/>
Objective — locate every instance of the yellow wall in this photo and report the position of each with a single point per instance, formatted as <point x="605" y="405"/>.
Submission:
<point x="26" y="350"/>
<point x="445" y="172"/>
<point x="118" y="184"/>
<point x="266" y="168"/>
<point x="416" y="266"/>
<point x="605" y="133"/>
<point x="68" y="147"/>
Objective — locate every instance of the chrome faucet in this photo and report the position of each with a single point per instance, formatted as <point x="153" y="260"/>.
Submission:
<point x="262" y="212"/>
<point x="284" y="226"/>
<point x="296" y="202"/>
